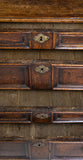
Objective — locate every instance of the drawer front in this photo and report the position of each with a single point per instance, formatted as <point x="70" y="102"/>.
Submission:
<point x="51" y="150"/>
<point x="14" y="76"/>
<point x="39" y="150"/>
<point x="14" y="150"/>
<point x="24" y="150"/>
<point x="41" y="75"/>
<point x="67" y="77"/>
<point x="67" y="117"/>
<point x="41" y="117"/>
<point x="15" y="40"/>
<point x="41" y="40"/>
<point x="66" y="150"/>
<point x="15" y="117"/>
<point x="69" y="40"/>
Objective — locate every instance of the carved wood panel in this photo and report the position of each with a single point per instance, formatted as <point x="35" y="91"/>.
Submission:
<point x="41" y="75"/>
<point x="55" y="149"/>
<point x="41" y="117"/>
<point x="42" y="39"/>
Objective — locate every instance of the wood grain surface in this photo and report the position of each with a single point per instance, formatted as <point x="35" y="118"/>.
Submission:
<point x="41" y="75"/>
<point x="43" y="39"/>
<point x="59" y="100"/>
<point x="14" y="76"/>
<point x="40" y="116"/>
<point x="40" y="11"/>
<point x="56" y="149"/>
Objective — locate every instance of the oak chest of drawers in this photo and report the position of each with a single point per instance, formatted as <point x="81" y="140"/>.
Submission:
<point x="41" y="79"/>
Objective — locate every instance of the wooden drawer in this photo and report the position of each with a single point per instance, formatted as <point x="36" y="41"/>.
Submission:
<point x="68" y="40"/>
<point x="28" y="117"/>
<point x="15" y="40"/>
<point x="26" y="40"/>
<point x="66" y="150"/>
<point x="14" y="150"/>
<point x="41" y="75"/>
<point x="24" y="150"/>
<point x="42" y="149"/>
<point x="16" y="117"/>
<point x="41" y="40"/>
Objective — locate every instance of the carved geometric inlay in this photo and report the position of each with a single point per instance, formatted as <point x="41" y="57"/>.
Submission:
<point x="42" y="69"/>
<point x="42" y="115"/>
<point x="41" y="38"/>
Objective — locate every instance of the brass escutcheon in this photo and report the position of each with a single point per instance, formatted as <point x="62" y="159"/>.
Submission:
<point x="38" y="144"/>
<point x="42" y="115"/>
<point x="42" y="69"/>
<point x="41" y="38"/>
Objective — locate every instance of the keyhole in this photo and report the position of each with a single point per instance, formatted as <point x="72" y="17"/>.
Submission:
<point x="42" y="69"/>
<point x="41" y="38"/>
<point x="39" y="144"/>
<point x="42" y="116"/>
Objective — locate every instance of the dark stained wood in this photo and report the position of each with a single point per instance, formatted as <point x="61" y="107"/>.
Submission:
<point x="13" y="76"/>
<point x="39" y="11"/>
<point x="68" y="40"/>
<point x="41" y="117"/>
<point x="41" y="75"/>
<point x="66" y="150"/>
<point x="42" y="39"/>
<point x="15" y="117"/>
<point x="15" y="40"/>
<point x="39" y="150"/>
<point x="67" y="117"/>
<point x="14" y="150"/>
<point x="71" y="12"/>
<point x="67" y="77"/>
<point x="55" y="149"/>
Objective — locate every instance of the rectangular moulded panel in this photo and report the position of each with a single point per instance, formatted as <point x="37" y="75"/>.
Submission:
<point x="15" y="40"/>
<point x="41" y="39"/>
<point x="14" y="150"/>
<point x="40" y="75"/>
<point x="24" y="150"/>
<point x="42" y="149"/>
<point x="66" y="150"/>
<point x="68" y="40"/>
<point x="39" y="150"/>
<point x="67" y="77"/>
<point x="15" y="117"/>
<point x="14" y="76"/>
<point x="67" y="117"/>
<point x="40" y="117"/>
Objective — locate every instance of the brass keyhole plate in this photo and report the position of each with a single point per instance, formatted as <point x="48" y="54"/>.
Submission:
<point x="41" y="38"/>
<point x="42" y="69"/>
<point x="42" y="115"/>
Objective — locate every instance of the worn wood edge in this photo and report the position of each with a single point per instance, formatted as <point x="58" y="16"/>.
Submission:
<point x="51" y="140"/>
<point x="43" y="20"/>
